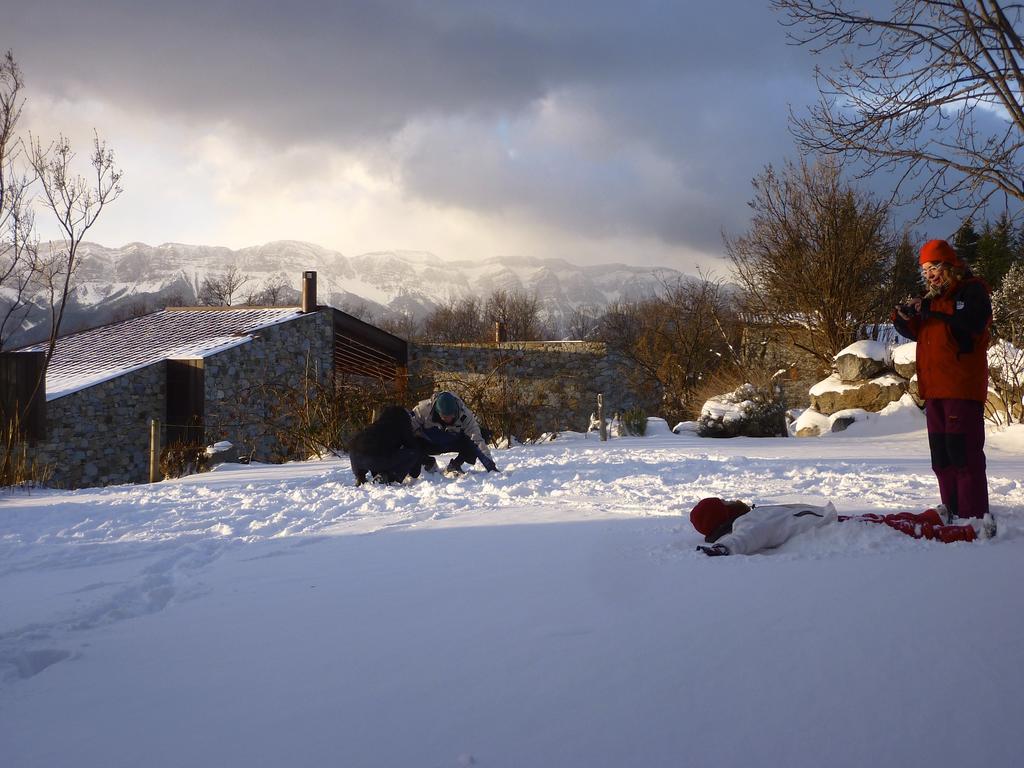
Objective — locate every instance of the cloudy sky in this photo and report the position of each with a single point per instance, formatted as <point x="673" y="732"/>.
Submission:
<point x="590" y="130"/>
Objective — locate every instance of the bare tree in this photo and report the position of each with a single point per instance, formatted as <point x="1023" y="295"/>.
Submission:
<point x="519" y="312"/>
<point x="19" y="252"/>
<point x="219" y="290"/>
<point x="402" y="324"/>
<point x="674" y="341"/>
<point x="358" y="308"/>
<point x="582" y="322"/>
<point x="457" y="320"/>
<point x="814" y="261"/>
<point x="76" y="203"/>
<point x="273" y="293"/>
<point x="932" y="90"/>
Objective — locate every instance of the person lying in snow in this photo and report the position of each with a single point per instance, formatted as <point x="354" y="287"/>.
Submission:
<point x="734" y="528"/>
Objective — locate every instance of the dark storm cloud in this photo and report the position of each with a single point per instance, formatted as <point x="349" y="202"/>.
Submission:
<point x="702" y="87"/>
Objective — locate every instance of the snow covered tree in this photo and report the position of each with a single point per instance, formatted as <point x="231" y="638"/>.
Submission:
<point x="1006" y="356"/>
<point x="1008" y="306"/>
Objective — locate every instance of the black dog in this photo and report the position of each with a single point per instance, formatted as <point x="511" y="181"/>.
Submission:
<point x="386" y="449"/>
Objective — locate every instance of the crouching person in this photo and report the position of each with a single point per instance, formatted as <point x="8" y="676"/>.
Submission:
<point x="387" y="449"/>
<point x="444" y="424"/>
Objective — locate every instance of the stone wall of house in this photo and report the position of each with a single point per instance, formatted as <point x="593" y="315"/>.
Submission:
<point x="249" y="388"/>
<point x="100" y="434"/>
<point x="557" y="381"/>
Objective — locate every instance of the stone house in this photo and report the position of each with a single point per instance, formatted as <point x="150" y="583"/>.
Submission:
<point x="201" y="372"/>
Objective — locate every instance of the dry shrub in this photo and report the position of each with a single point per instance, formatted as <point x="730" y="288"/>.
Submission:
<point x="182" y="458"/>
<point x="16" y="467"/>
<point x="318" y="418"/>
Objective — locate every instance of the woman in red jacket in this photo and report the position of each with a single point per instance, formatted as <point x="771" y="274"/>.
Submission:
<point x="950" y="325"/>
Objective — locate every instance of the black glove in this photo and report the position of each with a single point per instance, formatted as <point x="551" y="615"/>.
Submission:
<point x="715" y="550"/>
<point x="488" y="464"/>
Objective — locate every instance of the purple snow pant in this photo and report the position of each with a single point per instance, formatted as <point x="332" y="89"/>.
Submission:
<point x="956" y="437"/>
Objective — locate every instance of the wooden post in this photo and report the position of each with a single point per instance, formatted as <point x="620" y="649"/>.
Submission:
<point x="154" y="450"/>
<point x="601" y="428"/>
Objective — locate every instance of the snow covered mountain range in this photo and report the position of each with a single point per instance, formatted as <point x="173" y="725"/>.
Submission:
<point x="116" y="282"/>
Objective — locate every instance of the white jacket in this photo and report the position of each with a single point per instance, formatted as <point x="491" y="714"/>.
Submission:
<point x="773" y="525"/>
<point x="423" y="419"/>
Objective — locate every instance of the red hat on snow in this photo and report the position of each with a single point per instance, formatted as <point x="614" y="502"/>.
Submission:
<point x="939" y="252"/>
<point x="711" y="514"/>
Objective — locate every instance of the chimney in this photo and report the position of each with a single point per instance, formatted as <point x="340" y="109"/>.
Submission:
<point x="309" y="291"/>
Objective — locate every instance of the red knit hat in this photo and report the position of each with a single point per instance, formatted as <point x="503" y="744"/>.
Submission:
<point x="711" y="514"/>
<point x="939" y="252"/>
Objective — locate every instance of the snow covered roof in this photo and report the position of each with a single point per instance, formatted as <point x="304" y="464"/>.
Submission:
<point x="90" y="357"/>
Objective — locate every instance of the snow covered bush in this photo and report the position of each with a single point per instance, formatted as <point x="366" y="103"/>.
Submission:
<point x="1006" y="383"/>
<point x="749" y="411"/>
<point x="1006" y="355"/>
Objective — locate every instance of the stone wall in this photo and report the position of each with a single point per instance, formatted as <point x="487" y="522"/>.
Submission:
<point x="557" y="380"/>
<point x="100" y="434"/>
<point x="242" y="383"/>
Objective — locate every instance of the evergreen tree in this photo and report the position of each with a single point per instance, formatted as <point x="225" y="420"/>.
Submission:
<point x="904" y="275"/>
<point x="996" y="251"/>
<point x="965" y="241"/>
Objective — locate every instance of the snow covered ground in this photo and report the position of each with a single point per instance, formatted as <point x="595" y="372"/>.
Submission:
<point x="555" y="614"/>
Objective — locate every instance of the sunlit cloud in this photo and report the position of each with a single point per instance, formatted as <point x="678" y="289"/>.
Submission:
<point x="469" y="130"/>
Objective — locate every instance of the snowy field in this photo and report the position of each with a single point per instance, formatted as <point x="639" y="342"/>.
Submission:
<point x="555" y="614"/>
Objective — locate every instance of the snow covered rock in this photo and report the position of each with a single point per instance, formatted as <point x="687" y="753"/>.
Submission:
<point x="810" y="423"/>
<point x="862" y="360"/>
<point x="657" y="426"/>
<point x="833" y="394"/>
<point x="904" y="359"/>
